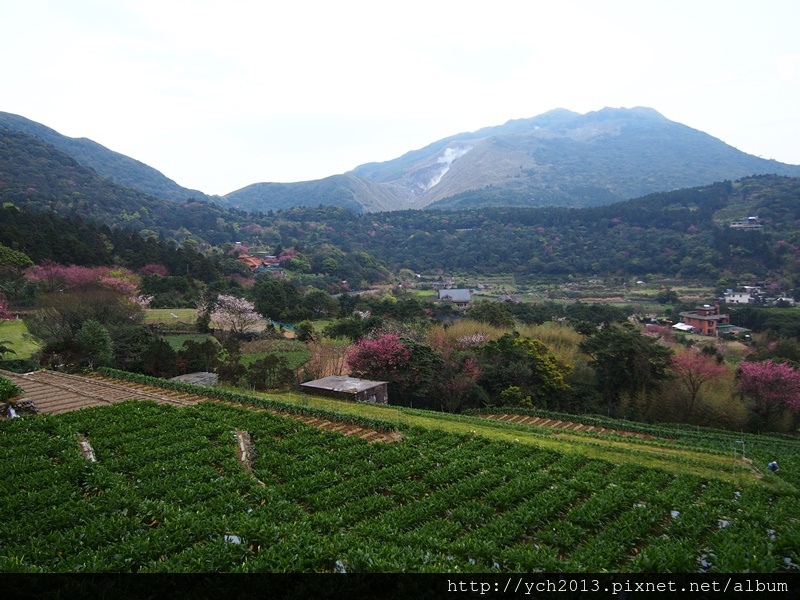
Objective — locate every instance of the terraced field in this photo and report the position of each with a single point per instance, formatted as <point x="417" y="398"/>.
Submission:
<point x="167" y="492"/>
<point x="175" y="484"/>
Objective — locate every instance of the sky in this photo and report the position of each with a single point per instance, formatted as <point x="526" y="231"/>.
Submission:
<point x="220" y="94"/>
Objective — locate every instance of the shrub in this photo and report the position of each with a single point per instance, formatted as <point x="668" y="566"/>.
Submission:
<point x="8" y="389"/>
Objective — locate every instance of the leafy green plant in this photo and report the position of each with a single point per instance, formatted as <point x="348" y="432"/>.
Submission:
<point x="8" y="389"/>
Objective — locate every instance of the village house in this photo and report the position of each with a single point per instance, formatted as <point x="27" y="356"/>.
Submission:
<point x="732" y="297"/>
<point x="461" y="298"/>
<point x="706" y="319"/>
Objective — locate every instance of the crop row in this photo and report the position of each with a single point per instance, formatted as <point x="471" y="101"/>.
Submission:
<point x="168" y="494"/>
<point x="214" y="393"/>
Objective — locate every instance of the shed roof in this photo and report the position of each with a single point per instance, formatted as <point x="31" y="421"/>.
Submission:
<point x="336" y="383"/>
<point x="199" y="378"/>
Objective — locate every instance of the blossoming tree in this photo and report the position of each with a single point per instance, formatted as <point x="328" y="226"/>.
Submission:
<point x="772" y="386"/>
<point x="235" y="315"/>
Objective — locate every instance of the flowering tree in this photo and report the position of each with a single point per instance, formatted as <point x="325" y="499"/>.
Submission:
<point x="693" y="370"/>
<point x="772" y="386"/>
<point x="53" y="276"/>
<point x="408" y="366"/>
<point x="381" y="355"/>
<point x="154" y="269"/>
<point x="235" y="315"/>
<point x="455" y="379"/>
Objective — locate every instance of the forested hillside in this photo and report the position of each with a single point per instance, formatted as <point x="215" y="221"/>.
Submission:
<point x="37" y="176"/>
<point x="684" y="233"/>
<point x="48" y="237"/>
<point x="107" y="163"/>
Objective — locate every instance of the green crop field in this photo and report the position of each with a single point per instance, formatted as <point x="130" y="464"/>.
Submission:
<point x="167" y="493"/>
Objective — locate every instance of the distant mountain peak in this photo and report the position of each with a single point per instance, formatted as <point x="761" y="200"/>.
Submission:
<point x="558" y="158"/>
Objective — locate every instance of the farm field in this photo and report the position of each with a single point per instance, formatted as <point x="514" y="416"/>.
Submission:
<point x="168" y="493"/>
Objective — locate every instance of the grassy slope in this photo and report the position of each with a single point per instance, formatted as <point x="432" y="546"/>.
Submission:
<point x="20" y="341"/>
<point x="651" y="453"/>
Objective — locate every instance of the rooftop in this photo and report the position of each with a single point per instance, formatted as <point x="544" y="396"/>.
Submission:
<point x="336" y="383"/>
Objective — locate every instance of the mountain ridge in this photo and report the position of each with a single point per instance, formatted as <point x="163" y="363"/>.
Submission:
<point x="557" y="158"/>
<point x="107" y="163"/>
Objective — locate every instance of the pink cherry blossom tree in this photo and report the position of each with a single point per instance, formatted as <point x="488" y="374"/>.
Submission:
<point x="771" y="385"/>
<point x="693" y="370"/>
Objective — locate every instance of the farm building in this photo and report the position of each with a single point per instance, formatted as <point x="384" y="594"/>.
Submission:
<point x="350" y="388"/>
<point x="461" y="298"/>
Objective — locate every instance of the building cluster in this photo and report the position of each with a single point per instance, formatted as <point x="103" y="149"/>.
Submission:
<point x="754" y="295"/>
<point x="262" y="263"/>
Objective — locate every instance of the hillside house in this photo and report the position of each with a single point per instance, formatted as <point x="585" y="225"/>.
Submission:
<point x="349" y="388"/>
<point x="461" y="298"/>
<point x="706" y="319"/>
<point x="748" y="224"/>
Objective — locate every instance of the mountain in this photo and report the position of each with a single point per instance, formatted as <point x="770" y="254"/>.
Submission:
<point x="348" y="191"/>
<point x="38" y="177"/>
<point x="559" y="158"/>
<point x="106" y="163"/>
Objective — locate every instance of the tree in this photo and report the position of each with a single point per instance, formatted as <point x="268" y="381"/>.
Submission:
<point x="270" y="372"/>
<point x="13" y="259"/>
<point x="456" y="377"/>
<point x="407" y="365"/>
<point x="305" y="331"/>
<point x="319" y="304"/>
<point x="327" y="358"/>
<point x="235" y="315"/>
<point x="274" y="296"/>
<point x="95" y="342"/>
<point x="5" y="315"/>
<point x="160" y="360"/>
<point x="493" y="313"/>
<point x="772" y="386"/>
<point x="525" y="363"/>
<point x="626" y="363"/>
<point x="693" y="370"/>
<point x="5" y="348"/>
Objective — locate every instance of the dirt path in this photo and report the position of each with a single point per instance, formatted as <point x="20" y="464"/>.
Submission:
<point x="558" y="424"/>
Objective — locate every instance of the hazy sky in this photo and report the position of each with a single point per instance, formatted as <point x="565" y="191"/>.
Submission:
<point x="219" y="94"/>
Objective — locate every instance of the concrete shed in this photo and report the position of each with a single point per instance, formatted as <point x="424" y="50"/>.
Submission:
<point x="350" y="388"/>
